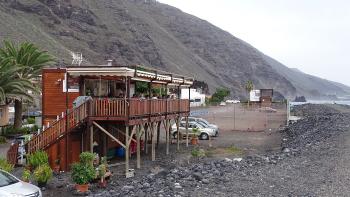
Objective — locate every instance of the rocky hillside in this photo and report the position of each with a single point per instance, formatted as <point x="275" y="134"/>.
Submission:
<point x="153" y="34"/>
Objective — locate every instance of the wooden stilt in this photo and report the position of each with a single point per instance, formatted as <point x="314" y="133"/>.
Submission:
<point x="178" y="133"/>
<point x="91" y="138"/>
<point x="187" y="131"/>
<point x="167" y="123"/>
<point x="158" y="133"/>
<point x="153" y="142"/>
<point x="82" y="142"/>
<point x="126" y="150"/>
<point x="138" y="153"/>
<point x="104" y="144"/>
<point x="146" y="138"/>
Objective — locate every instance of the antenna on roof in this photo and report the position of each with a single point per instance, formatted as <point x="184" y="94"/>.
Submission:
<point x="77" y="58"/>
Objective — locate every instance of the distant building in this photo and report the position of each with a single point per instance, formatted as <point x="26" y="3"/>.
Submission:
<point x="254" y="96"/>
<point x="197" y="99"/>
<point x="264" y="96"/>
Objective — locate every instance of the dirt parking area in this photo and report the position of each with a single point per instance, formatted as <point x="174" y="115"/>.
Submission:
<point x="254" y="130"/>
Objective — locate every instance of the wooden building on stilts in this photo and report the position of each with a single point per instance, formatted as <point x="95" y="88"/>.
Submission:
<point x="94" y="108"/>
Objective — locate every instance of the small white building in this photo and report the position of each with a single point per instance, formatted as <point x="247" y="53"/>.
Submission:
<point x="197" y="99"/>
<point x="254" y="95"/>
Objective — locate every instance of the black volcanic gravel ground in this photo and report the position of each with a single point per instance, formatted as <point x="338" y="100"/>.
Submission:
<point x="314" y="161"/>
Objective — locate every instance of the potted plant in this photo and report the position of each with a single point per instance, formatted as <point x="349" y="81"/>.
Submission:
<point x="26" y="175"/>
<point x="82" y="174"/>
<point x="102" y="171"/>
<point x="194" y="139"/>
<point x="87" y="158"/>
<point x="36" y="159"/>
<point x="42" y="174"/>
<point x="56" y="168"/>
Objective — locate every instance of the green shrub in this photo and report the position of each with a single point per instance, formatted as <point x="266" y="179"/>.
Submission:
<point x="198" y="152"/>
<point x="31" y="120"/>
<point x="82" y="173"/>
<point x="195" y="132"/>
<point x="42" y="173"/>
<point x="26" y="175"/>
<point x="219" y="95"/>
<point x="8" y="130"/>
<point x="102" y="170"/>
<point x="24" y="130"/>
<point x="2" y="140"/>
<point x="87" y="158"/>
<point x="34" y="128"/>
<point x="5" y="166"/>
<point x="38" y="158"/>
<point x="234" y="150"/>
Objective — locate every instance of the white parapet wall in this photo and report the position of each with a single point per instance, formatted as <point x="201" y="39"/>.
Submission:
<point x="197" y="99"/>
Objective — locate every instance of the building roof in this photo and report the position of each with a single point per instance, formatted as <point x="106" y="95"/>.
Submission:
<point x="137" y="73"/>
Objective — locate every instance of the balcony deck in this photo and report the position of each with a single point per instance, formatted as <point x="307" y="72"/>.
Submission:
<point x="133" y="110"/>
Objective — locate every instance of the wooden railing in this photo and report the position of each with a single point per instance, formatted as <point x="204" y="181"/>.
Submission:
<point x="173" y="105"/>
<point x="58" y="128"/>
<point x="184" y="105"/>
<point x="139" y="107"/>
<point x="158" y="106"/>
<point x="103" y="107"/>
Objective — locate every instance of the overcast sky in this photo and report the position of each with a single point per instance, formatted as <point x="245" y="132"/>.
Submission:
<point x="311" y="35"/>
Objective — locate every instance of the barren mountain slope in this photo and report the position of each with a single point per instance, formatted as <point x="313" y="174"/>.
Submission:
<point x="158" y="35"/>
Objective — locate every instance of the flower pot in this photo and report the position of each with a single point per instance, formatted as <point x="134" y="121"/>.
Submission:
<point x="102" y="184"/>
<point x="194" y="141"/>
<point x="56" y="169"/>
<point x="82" y="188"/>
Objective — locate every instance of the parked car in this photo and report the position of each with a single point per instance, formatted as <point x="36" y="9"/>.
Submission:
<point x="11" y="186"/>
<point x="267" y="109"/>
<point x="203" y="122"/>
<point x="232" y="101"/>
<point x="204" y="132"/>
<point x="222" y="103"/>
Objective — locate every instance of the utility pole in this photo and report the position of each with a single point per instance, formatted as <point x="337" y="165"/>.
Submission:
<point x="234" y="116"/>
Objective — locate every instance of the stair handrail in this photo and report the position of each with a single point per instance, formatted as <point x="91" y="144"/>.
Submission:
<point x="41" y="144"/>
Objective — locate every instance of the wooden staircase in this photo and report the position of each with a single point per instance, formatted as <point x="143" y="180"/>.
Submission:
<point x="59" y="128"/>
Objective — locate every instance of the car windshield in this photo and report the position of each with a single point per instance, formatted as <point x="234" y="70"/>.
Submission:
<point x="203" y="124"/>
<point x="199" y="126"/>
<point x="6" y="179"/>
<point x="204" y="121"/>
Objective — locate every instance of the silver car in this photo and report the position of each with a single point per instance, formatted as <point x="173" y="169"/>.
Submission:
<point x="11" y="186"/>
<point x="204" y="132"/>
<point x="204" y="123"/>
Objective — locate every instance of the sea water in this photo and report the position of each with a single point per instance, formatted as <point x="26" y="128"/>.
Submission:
<point x="342" y="102"/>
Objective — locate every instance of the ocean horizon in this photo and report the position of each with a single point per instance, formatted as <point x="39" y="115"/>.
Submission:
<point x="341" y="102"/>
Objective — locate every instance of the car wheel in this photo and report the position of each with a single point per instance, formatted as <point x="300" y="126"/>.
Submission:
<point x="204" y="136"/>
<point x="175" y="135"/>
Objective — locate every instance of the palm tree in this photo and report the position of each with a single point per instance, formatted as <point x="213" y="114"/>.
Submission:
<point x="249" y="86"/>
<point x="28" y="61"/>
<point x="8" y="86"/>
<point x="11" y="87"/>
